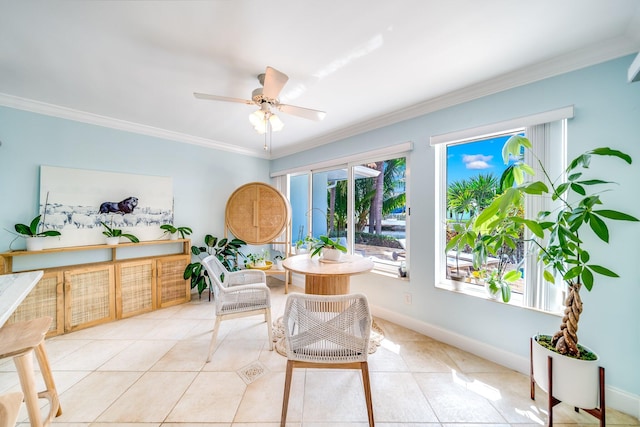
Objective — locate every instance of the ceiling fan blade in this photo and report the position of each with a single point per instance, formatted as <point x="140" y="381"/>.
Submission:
<point x="274" y="81"/>
<point x="222" y="98"/>
<point x="306" y="113"/>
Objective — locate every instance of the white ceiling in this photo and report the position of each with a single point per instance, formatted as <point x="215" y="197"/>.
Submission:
<point x="135" y="64"/>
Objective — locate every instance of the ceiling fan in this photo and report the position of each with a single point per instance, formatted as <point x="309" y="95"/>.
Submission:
<point x="266" y="98"/>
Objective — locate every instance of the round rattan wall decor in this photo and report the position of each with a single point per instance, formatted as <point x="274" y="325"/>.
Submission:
<point x="257" y="213"/>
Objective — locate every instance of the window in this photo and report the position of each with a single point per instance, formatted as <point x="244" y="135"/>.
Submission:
<point x="361" y="204"/>
<point x="470" y="165"/>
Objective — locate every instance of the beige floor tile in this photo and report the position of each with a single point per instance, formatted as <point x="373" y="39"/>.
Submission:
<point x="468" y="362"/>
<point x="138" y="356"/>
<point x="91" y="396"/>
<point x="170" y="329"/>
<point x="91" y="356"/>
<point x="212" y="397"/>
<point x="262" y="401"/>
<point x="196" y="425"/>
<point x="150" y="399"/>
<point x="333" y="396"/>
<point x="398" y="398"/>
<point x="455" y="397"/>
<point x="188" y="356"/>
<point x="387" y="358"/>
<point x="426" y="356"/>
<point x="231" y="355"/>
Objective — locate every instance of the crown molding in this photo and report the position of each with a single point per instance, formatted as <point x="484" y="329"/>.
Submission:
<point x="109" y="122"/>
<point x="602" y="52"/>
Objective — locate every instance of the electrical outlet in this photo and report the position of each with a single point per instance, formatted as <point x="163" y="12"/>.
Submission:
<point x="407" y="298"/>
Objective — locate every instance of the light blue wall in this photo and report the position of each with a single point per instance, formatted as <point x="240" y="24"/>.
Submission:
<point x="203" y="178"/>
<point x="607" y="112"/>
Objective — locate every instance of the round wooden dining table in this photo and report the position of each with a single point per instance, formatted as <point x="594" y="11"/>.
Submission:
<point x="324" y="277"/>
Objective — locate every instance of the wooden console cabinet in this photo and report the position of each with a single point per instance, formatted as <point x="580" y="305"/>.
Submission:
<point x="78" y="296"/>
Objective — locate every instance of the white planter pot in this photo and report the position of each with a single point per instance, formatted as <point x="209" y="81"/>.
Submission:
<point x="35" y="243"/>
<point x="113" y="240"/>
<point x="331" y="254"/>
<point x="173" y="236"/>
<point x="575" y="382"/>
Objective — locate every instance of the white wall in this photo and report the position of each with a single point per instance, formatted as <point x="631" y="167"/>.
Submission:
<point x="607" y="113"/>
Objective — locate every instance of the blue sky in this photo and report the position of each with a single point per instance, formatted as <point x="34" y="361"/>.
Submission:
<point x="471" y="159"/>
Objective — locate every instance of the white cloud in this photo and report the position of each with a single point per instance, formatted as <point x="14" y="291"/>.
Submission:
<point x="477" y="161"/>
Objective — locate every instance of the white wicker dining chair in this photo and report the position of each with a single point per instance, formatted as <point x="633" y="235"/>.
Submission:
<point x="237" y="294"/>
<point x="327" y="331"/>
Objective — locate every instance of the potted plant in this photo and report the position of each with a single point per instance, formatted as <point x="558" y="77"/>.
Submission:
<point x="258" y="260"/>
<point x="227" y="251"/>
<point x="34" y="233"/>
<point x="114" y="234"/>
<point x="558" y="239"/>
<point x="278" y="260"/>
<point x="464" y="235"/>
<point x="331" y="249"/>
<point x="173" y="231"/>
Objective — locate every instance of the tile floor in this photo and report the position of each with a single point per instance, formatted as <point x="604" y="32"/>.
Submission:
<point x="150" y="371"/>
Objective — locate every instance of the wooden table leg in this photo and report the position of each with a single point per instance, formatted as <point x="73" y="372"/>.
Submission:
<point x="326" y="285"/>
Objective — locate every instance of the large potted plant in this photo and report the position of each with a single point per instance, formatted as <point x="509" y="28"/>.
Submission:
<point x="227" y="251"/>
<point x="558" y="237"/>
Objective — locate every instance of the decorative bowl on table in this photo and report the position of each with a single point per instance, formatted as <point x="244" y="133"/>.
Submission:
<point x="267" y="266"/>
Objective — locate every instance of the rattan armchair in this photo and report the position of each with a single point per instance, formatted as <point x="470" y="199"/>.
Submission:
<point x="327" y="331"/>
<point x="237" y="294"/>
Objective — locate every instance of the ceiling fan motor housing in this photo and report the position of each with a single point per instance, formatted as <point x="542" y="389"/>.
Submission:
<point x="260" y="99"/>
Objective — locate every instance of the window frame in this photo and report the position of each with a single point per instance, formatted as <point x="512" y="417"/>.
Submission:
<point x="395" y="151"/>
<point x="540" y="295"/>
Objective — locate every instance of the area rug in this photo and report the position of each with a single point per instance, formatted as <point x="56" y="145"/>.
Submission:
<point x="377" y="335"/>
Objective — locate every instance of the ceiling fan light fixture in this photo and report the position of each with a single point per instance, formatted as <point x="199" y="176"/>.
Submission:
<point x="259" y="119"/>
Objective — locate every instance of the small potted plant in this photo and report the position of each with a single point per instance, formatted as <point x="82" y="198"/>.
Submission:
<point x="34" y="233"/>
<point x="258" y="260"/>
<point x="331" y="249"/>
<point x="114" y="235"/>
<point x="278" y="260"/>
<point x="174" y="231"/>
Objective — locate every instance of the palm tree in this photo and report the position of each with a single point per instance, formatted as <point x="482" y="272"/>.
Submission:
<point x="484" y="189"/>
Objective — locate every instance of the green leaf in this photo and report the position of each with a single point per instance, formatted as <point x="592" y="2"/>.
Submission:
<point x="537" y="187"/>
<point x="512" y="276"/>
<point x="131" y="237"/>
<point x="34" y="225"/>
<point x="534" y="227"/>
<point x="574" y="176"/>
<point x="602" y="270"/>
<point x="50" y="233"/>
<point x="549" y="277"/>
<point x="593" y="182"/>
<point x="573" y="272"/>
<point x="560" y="190"/>
<point x="578" y="189"/>
<point x="607" y="213"/>
<point x="599" y="227"/>
<point x="587" y="279"/>
<point x="606" y="151"/>
<point x="23" y="229"/>
<point x="506" y="293"/>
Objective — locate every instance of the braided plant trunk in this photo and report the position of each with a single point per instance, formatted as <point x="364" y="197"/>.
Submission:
<point x="566" y="339"/>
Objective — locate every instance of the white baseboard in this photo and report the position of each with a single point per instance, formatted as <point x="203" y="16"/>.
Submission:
<point x="617" y="399"/>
